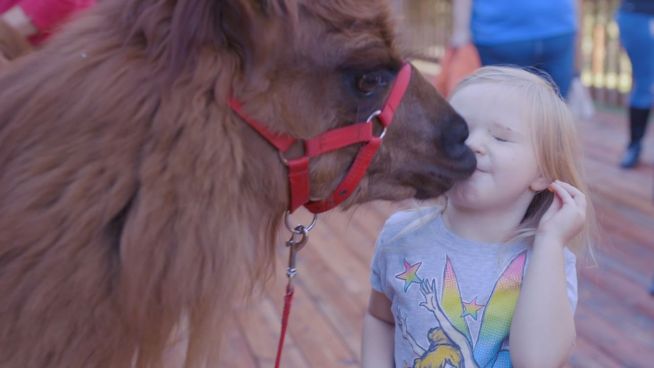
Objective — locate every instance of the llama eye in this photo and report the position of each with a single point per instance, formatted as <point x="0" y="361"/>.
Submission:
<point x="368" y="83"/>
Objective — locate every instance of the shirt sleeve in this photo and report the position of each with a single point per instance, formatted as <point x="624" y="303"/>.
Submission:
<point x="48" y="14"/>
<point x="571" y="278"/>
<point x="379" y="258"/>
<point x="377" y="267"/>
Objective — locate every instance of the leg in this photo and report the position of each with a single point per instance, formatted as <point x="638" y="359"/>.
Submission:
<point x="531" y="54"/>
<point x="558" y="60"/>
<point x="637" y="125"/>
<point x="638" y="41"/>
<point x="510" y="53"/>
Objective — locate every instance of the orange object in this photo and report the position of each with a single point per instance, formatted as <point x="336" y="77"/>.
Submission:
<point x="457" y="64"/>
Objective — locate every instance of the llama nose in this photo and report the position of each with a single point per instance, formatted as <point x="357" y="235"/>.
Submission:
<point x="454" y="136"/>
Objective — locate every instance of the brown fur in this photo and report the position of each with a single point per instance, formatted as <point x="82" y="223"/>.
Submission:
<point x="132" y="199"/>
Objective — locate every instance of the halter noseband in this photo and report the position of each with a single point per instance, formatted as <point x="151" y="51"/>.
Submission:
<point x="331" y="140"/>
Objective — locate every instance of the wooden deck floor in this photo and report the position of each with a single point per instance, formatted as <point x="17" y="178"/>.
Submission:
<point x="615" y="317"/>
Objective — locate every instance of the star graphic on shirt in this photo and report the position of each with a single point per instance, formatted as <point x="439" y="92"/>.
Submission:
<point x="410" y="274"/>
<point x="471" y="309"/>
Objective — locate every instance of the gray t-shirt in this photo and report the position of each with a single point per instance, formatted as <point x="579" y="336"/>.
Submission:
<point x="452" y="299"/>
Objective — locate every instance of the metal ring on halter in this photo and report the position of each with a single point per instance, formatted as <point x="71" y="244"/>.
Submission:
<point x="294" y="229"/>
<point x="282" y="158"/>
<point x="375" y="114"/>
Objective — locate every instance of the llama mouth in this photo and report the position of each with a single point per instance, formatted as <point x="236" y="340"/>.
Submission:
<point x="438" y="185"/>
<point x="439" y="179"/>
<point x="422" y="194"/>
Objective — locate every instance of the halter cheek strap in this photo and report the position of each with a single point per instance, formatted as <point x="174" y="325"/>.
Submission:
<point x="331" y="140"/>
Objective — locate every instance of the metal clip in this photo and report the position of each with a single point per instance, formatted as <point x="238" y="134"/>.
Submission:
<point x="297" y="241"/>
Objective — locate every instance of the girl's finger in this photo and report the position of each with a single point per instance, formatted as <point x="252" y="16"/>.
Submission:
<point x="578" y="196"/>
<point x="563" y="194"/>
<point x="554" y="206"/>
<point x="570" y="188"/>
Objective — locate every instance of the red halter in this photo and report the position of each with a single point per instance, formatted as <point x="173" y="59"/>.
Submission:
<point x="298" y="168"/>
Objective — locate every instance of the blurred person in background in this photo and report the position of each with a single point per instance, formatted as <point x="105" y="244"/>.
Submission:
<point x="636" y="22"/>
<point x="27" y="23"/>
<point x="526" y="33"/>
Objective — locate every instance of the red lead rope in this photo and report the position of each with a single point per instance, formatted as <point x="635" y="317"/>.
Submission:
<point x="288" y="299"/>
<point x="299" y="237"/>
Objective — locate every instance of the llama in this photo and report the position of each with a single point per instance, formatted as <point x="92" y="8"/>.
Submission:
<point x="130" y="190"/>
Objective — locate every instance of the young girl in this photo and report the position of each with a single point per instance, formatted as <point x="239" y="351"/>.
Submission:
<point x="451" y="284"/>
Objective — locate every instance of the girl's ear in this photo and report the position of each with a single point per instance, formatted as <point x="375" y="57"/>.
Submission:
<point x="540" y="183"/>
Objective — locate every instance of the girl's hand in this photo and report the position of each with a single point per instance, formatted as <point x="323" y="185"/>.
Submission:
<point x="566" y="216"/>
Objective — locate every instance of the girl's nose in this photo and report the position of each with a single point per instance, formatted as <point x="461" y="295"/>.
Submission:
<point x="476" y="143"/>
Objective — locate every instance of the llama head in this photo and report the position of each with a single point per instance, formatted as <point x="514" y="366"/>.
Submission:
<point x="310" y="66"/>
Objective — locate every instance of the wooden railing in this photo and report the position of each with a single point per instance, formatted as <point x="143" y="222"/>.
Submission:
<point x="605" y="67"/>
<point x="425" y="27"/>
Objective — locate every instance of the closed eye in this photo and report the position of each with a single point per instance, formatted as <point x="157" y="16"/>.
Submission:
<point x="502" y="133"/>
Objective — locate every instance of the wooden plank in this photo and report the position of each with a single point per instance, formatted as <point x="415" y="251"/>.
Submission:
<point x="606" y="337"/>
<point x="640" y="231"/>
<point x="634" y="260"/>
<point x="341" y="308"/>
<point x="260" y="325"/>
<point x="333" y="247"/>
<point x="638" y="326"/>
<point x="349" y="224"/>
<point x="587" y="355"/>
<point x="311" y="330"/>
<point x="620" y="288"/>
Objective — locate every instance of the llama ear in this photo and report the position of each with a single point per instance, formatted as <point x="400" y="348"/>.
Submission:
<point x="252" y="29"/>
<point x="279" y="8"/>
<point x="256" y="30"/>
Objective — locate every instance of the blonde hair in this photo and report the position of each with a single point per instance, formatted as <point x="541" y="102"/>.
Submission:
<point x="554" y="137"/>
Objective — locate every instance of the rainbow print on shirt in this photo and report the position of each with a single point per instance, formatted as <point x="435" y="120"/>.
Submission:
<point x="451" y="343"/>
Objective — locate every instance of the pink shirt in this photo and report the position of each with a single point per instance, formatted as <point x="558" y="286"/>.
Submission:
<point x="46" y="14"/>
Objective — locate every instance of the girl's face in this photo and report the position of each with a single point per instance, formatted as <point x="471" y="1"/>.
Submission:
<point x="500" y="136"/>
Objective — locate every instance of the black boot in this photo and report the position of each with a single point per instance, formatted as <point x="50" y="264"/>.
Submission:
<point x="637" y="127"/>
<point x="631" y="156"/>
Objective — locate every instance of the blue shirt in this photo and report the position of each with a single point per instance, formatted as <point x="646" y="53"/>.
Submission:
<point x="638" y="6"/>
<point x="503" y="21"/>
